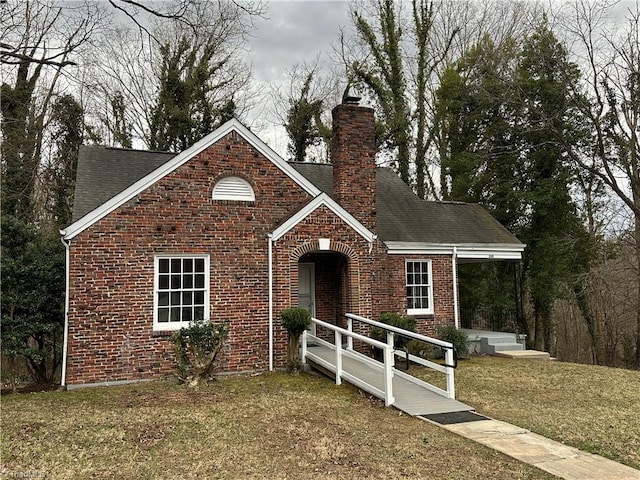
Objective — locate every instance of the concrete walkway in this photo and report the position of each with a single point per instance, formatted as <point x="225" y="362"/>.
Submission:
<point x="553" y="457"/>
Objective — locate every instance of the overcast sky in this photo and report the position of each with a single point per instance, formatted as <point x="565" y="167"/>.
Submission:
<point x="291" y="32"/>
<point x="294" y="31"/>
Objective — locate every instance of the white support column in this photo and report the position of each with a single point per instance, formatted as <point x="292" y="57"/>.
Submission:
<point x="338" y="340"/>
<point x="65" y="341"/>
<point x="270" y="280"/>
<point x="454" y="267"/>
<point x="389" y="399"/>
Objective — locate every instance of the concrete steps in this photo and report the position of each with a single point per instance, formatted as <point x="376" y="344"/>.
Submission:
<point x="499" y="342"/>
<point x="502" y="344"/>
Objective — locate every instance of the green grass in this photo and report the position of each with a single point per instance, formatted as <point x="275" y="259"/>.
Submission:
<point x="272" y="426"/>
<point x="596" y="409"/>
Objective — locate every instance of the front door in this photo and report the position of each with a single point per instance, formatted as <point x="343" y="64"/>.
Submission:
<point x="306" y="287"/>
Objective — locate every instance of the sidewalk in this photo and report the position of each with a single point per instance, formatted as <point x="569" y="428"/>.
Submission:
<point x="548" y="455"/>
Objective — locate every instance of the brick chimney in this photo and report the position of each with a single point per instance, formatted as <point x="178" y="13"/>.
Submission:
<point x="353" y="151"/>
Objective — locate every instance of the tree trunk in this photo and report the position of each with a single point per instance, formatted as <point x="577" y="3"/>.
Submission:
<point x="637" y="278"/>
<point x="548" y="328"/>
<point x="293" y="360"/>
<point x="538" y="329"/>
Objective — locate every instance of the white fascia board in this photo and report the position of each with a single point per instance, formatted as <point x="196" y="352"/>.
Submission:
<point x="476" y="251"/>
<point x="323" y="200"/>
<point x="179" y="160"/>
<point x="276" y="159"/>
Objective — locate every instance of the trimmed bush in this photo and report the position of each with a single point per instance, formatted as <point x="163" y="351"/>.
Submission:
<point x="458" y="338"/>
<point x="197" y="347"/>
<point x="296" y="320"/>
<point x="424" y="350"/>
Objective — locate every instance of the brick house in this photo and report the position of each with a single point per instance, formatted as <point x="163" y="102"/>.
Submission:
<point x="229" y="231"/>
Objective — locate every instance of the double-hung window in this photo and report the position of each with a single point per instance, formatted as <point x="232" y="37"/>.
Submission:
<point x="419" y="287"/>
<point x="181" y="293"/>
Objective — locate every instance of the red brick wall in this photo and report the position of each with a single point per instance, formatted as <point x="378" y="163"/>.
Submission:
<point x="111" y="334"/>
<point x="441" y="270"/>
<point x="299" y="243"/>
<point x="111" y="273"/>
<point x="353" y="151"/>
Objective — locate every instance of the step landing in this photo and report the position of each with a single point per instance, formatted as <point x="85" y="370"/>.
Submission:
<point x="524" y="354"/>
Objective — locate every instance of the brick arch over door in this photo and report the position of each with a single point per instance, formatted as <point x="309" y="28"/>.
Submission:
<point x="336" y="247"/>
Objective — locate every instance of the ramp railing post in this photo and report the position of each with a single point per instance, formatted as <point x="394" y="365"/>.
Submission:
<point x="338" y="338"/>
<point x="389" y="399"/>
<point x="449" y="358"/>
<point x="390" y="342"/>
<point x="349" y="337"/>
<point x="303" y="360"/>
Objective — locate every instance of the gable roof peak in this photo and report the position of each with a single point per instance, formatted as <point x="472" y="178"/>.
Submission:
<point x="233" y="125"/>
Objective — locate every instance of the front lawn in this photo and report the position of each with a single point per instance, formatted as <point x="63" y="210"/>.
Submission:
<point x="596" y="409"/>
<point x="271" y="426"/>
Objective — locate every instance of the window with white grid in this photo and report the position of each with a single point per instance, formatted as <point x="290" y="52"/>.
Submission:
<point x="181" y="291"/>
<point x="419" y="287"/>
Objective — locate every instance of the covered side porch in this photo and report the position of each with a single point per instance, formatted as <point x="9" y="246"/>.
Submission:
<point x="462" y="254"/>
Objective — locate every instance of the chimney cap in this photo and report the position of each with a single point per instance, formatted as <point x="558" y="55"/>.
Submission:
<point x="350" y="100"/>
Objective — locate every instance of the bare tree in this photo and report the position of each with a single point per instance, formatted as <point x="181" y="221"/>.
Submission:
<point x="610" y="101"/>
<point x="302" y="106"/>
<point x="472" y="20"/>
<point x="187" y="13"/>
<point x="131" y="66"/>
<point x="40" y="41"/>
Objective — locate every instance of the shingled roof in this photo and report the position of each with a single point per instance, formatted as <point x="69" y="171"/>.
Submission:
<point x="104" y="172"/>
<point x="400" y="215"/>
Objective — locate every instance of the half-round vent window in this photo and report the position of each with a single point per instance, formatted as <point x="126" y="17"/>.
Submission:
<point x="233" y="188"/>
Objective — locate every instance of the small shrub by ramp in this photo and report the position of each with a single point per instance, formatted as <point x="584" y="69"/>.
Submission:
<point x="295" y="320"/>
<point x="458" y="338"/>
<point x="395" y="320"/>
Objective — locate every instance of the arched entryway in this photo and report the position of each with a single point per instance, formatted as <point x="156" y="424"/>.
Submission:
<point x="327" y="281"/>
<point x="323" y="285"/>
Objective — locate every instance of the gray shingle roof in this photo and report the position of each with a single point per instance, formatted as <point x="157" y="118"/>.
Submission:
<point x="401" y="215"/>
<point x="104" y="172"/>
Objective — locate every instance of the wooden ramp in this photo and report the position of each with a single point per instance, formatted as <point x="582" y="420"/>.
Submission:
<point x="412" y="396"/>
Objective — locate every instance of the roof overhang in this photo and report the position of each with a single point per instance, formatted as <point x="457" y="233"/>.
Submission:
<point x="180" y="159"/>
<point x="323" y="200"/>
<point x="465" y="252"/>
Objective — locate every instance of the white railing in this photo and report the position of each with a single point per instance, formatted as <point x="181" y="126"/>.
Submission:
<point x="386" y="367"/>
<point x="449" y="353"/>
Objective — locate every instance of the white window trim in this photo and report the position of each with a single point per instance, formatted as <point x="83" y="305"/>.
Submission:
<point x="173" y="326"/>
<point x="233" y="188"/>
<point x="421" y="311"/>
